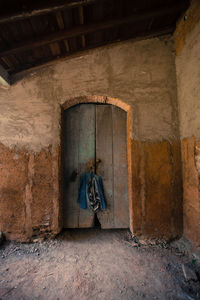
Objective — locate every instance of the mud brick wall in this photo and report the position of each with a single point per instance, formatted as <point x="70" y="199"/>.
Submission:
<point x="139" y="73"/>
<point x="187" y="42"/>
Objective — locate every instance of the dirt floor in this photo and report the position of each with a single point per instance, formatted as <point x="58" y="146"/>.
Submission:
<point x="96" y="264"/>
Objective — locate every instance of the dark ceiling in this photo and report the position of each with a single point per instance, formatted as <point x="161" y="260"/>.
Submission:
<point x="35" y="32"/>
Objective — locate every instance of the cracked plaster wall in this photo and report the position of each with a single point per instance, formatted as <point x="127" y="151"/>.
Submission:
<point x="187" y="42"/>
<point x="142" y="75"/>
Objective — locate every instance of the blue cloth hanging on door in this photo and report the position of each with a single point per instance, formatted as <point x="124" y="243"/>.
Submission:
<point x="91" y="194"/>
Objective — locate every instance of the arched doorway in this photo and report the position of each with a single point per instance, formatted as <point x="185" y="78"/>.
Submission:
<point x="97" y="131"/>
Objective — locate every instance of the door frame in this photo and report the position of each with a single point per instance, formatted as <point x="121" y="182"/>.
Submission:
<point x="127" y="108"/>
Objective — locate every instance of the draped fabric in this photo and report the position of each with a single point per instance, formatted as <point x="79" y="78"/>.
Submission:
<point x="91" y="194"/>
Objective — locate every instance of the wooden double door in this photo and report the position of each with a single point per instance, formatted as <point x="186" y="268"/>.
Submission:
<point x="95" y="135"/>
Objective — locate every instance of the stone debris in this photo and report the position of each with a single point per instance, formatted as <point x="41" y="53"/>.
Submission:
<point x="149" y="242"/>
<point x="189" y="274"/>
<point x="77" y="259"/>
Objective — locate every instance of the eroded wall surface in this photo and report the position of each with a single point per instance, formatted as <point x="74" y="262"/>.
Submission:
<point x="142" y="75"/>
<point x="187" y="41"/>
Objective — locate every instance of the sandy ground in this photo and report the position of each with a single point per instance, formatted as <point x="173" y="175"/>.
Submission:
<point x="94" y="264"/>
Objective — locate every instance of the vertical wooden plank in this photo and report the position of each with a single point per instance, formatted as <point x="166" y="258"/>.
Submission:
<point x="79" y="149"/>
<point x="86" y="153"/>
<point x="71" y="160"/>
<point x="104" y="149"/>
<point x="120" y="169"/>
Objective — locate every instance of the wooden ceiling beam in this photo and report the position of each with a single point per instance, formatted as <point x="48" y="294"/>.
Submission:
<point x="81" y="18"/>
<point x="49" y="61"/>
<point x="38" y="11"/>
<point x="85" y="29"/>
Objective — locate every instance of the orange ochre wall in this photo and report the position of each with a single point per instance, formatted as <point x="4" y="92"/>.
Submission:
<point x="29" y="190"/>
<point x="191" y="189"/>
<point x="157" y="194"/>
<point x="31" y="207"/>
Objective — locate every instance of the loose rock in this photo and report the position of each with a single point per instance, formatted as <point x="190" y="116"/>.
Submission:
<point x="189" y="274"/>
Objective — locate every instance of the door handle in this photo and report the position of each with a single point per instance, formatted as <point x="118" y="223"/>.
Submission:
<point x="92" y="165"/>
<point x="98" y="161"/>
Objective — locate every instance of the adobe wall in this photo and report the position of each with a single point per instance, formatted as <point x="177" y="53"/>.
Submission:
<point x="187" y="42"/>
<point x="140" y="74"/>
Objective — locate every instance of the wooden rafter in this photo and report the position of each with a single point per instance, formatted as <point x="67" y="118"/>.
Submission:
<point x="81" y="18"/>
<point x="61" y="26"/>
<point x="38" y="11"/>
<point x="85" y="29"/>
<point x="139" y="36"/>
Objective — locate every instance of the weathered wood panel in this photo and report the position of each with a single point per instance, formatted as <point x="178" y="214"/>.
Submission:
<point x="111" y="148"/>
<point x="86" y="120"/>
<point x="104" y="152"/>
<point x="71" y="164"/>
<point x="79" y="149"/>
<point x="96" y="132"/>
<point x="120" y="169"/>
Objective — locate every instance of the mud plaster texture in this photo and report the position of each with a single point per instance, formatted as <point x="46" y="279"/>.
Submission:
<point x="142" y="75"/>
<point x="187" y="41"/>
